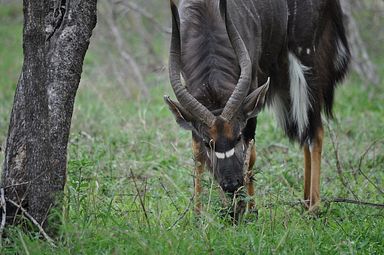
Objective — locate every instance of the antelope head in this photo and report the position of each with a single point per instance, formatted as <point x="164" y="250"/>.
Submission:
<point x="220" y="132"/>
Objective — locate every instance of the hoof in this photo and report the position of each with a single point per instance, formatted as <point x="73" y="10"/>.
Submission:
<point x="312" y="208"/>
<point x="313" y="211"/>
<point x="251" y="215"/>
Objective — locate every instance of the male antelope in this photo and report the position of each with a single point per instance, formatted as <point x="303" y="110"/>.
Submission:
<point x="238" y="56"/>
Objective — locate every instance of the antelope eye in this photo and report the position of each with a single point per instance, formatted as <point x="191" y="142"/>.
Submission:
<point x="239" y="138"/>
<point x="206" y="143"/>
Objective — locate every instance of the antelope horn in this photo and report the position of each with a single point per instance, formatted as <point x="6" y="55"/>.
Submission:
<point x="190" y="103"/>
<point x="242" y="87"/>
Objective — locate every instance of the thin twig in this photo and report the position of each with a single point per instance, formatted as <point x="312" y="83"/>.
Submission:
<point x="140" y="199"/>
<point x="170" y="197"/>
<point x="184" y="213"/>
<point x="351" y="201"/>
<point x="145" y="14"/>
<point x="46" y="214"/>
<point x="329" y="200"/>
<point x="25" y="192"/>
<point x="24" y="211"/>
<point x="361" y="162"/>
<point x="339" y="168"/>
<point x="145" y="190"/>
<point x="16" y="185"/>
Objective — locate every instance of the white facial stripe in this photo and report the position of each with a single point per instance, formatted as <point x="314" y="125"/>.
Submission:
<point x="220" y="155"/>
<point x="227" y="154"/>
<point x="230" y="153"/>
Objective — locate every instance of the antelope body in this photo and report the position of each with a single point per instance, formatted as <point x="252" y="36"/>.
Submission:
<point x="238" y="56"/>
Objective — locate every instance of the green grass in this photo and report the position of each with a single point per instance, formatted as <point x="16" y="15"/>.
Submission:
<point x="10" y="59"/>
<point x="112" y="137"/>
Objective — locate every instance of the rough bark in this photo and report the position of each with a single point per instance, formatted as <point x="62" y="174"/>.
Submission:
<point x="55" y="39"/>
<point x="361" y="62"/>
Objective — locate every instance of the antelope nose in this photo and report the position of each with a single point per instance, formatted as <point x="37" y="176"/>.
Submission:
<point x="231" y="186"/>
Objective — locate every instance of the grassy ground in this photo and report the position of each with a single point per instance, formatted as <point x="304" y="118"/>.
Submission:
<point x="130" y="176"/>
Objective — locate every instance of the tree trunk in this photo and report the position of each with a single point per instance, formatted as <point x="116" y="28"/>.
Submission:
<point x="55" y="39"/>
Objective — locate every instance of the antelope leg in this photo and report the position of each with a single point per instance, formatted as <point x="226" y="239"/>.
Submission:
<point x="199" y="170"/>
<point x="248" y="173"/>
<point x="307" y="174"/>
<point x="316" y="149"/>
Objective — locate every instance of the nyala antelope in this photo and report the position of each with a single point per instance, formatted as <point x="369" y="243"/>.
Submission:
<point x="239" y="56"/>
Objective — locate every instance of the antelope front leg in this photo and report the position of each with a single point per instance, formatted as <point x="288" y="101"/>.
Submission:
<point x="316" y="149"/>
<point x="312" y="170"/>
<point x="307" y="175"/>
<point x="249" y="177"/>
<point x="199" y="170"/>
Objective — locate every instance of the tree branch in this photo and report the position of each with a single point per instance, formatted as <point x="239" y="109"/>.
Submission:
<point x="145" y="14"/>
<point x="351" y="201"/>
<point x="330" y="200"/>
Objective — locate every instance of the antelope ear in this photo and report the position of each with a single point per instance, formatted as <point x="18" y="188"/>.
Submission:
<point x="254" y="102"/>
<point x="183" y="117"/>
